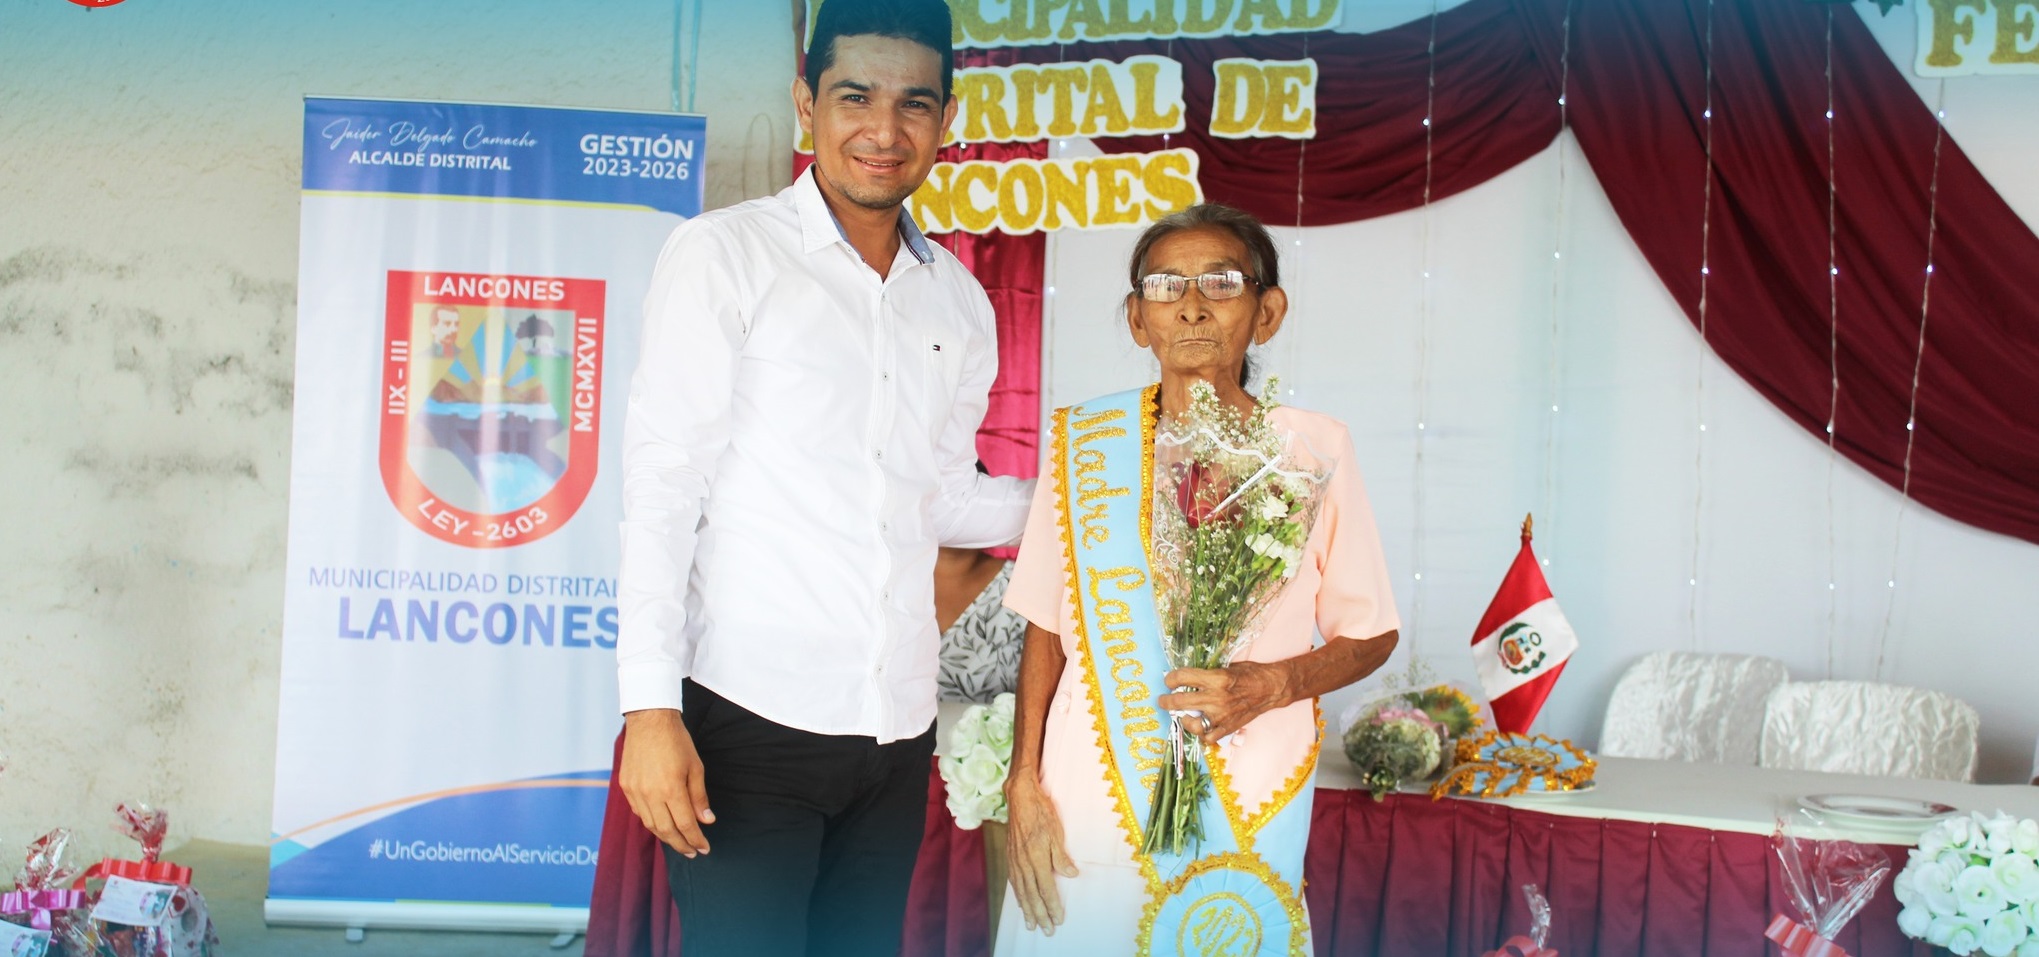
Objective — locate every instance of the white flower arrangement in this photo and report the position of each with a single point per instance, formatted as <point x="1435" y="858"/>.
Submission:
<point x="980" y="754"/>
<point x="1973" y="884"/>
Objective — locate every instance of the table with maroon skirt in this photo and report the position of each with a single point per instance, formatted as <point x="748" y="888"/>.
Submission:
<point x="1660" y="859"/>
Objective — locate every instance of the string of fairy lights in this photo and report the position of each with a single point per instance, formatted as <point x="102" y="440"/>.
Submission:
<point x="1424" y="309"/>
<point x="1911" y="421"/>
<point x="1705" y="348"/>
<point x="1833" y="355"/>
<point x="1552" y="372"/>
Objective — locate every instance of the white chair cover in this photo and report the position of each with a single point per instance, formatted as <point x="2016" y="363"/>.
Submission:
<point x="1685" y="706"/>
<point x="1856" y="727"/>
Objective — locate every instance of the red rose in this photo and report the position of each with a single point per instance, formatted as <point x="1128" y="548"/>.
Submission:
<point x="1197" y="494"/>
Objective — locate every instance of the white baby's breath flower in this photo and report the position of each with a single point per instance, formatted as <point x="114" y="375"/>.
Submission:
<point x="1272" y="508"/>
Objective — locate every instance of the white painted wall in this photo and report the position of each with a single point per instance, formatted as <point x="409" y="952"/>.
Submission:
<point x="148" y="261"/>
<point x="1617" y="524"/>
<point x="148" y="226"/>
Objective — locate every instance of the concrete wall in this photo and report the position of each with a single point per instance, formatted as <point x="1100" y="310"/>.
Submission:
<point x="149" y="158"/>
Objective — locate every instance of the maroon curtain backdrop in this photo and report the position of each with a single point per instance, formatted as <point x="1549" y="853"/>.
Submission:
<point x="1638" y="101"/>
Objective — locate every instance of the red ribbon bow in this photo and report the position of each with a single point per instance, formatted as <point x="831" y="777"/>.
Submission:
<point x="1798" y="940"/>
<point x="39" y="904"/>
<point x="1520" y="946"/>
<point x="154" y="872"/>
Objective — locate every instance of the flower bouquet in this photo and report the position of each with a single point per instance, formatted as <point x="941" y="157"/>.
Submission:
<point x="1972" y="883"/>
<point x="980" y="755"/>
<point x="1408" y="735"/>
<point x="1234" y="502"/>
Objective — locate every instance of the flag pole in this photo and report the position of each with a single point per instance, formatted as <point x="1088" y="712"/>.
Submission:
<point x="1528" y="522"/>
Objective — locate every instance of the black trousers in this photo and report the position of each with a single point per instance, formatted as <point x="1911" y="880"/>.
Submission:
<point x="814" y="839"/>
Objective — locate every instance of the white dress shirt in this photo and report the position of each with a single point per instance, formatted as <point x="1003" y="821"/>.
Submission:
<point x="800" y="435"/>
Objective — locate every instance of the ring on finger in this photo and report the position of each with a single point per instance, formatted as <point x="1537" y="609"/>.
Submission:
<point x="1207" y="722"/>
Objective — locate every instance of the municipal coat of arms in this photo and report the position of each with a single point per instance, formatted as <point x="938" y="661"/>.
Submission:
<point x="491" y="404"/>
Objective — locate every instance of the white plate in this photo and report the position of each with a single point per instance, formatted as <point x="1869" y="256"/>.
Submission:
<point x="1870" y="810"/>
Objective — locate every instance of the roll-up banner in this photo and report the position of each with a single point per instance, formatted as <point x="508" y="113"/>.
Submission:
<point x="469" y="282"/>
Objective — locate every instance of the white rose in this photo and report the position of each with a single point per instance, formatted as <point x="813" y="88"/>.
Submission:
<point x="1905" y="886"/>
<point x="1933" y="841"/>
<point x="1957" y="861"/>
<point x="1980" y="894"/>
<point x="2030" y="948"/>
<point x="2018" y="875"/>
<point x="2003" y="933"/>
<point x="965" y="813"/>
<point x="982" y="771"/>
<point x="1959" y="831"/>
<point x="998" y="732"/>
<point x="1958" y="934"/>
<point x="969" y="730"/>
<point x="1003" y="703"/>
<point x="1913" y="921"/>
<point x="2025" y="838"/>
<point x="1997" y="834"/>
<point x="1936" y="888"/>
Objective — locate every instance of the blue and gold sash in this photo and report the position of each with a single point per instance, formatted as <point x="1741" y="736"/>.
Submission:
<point x="1236" y="894"/>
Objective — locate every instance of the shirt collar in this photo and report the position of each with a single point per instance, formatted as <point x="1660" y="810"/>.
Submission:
<point x="819" y="226"/>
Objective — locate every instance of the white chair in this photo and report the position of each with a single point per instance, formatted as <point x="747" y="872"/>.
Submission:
<point x="1857" y="727"/>
<point x="1686" y="706"/>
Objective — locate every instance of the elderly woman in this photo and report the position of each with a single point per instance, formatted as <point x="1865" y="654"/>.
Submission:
<point x="1205" y="286"/>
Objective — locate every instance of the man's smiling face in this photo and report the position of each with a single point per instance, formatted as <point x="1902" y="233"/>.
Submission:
<point x="877" y="120"/>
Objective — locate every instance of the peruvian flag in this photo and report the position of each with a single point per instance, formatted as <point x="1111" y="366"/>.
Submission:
<point x="1522" y="643"/>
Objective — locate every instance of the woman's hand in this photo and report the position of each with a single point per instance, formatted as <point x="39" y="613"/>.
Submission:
<point x="1034" y="852"/>
<point x="1228" y="697"/>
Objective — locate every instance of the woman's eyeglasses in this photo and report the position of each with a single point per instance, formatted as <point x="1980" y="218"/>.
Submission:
<point x="1163" y="287"/>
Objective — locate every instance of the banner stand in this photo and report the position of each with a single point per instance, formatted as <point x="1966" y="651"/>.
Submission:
<point x="469" y="282"/>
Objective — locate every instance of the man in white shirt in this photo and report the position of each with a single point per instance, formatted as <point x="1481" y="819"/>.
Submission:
<point x="800" y="437"/>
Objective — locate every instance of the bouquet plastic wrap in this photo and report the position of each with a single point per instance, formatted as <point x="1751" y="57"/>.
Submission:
<point x="1827" y="881"/>
<point x="980" y="756"/>
<point x="1234" y="501"/>
<point x="1532" y="943"/>
<point x="1972" y="884"/>
<point x="140" y="908"/>
<point x="1408" y="735"/>
<point x="42" y="900"/>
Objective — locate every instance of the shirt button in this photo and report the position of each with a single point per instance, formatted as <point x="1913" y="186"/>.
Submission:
<point x="887" y="376"/>
<point x="878" y="454"/>
<point x="884" y="526"/>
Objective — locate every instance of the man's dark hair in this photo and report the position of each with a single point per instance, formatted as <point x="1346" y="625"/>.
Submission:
<point x="925" y="22"/>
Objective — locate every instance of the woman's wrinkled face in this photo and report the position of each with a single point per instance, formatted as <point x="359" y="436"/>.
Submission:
<point x="1196" y="335"/>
